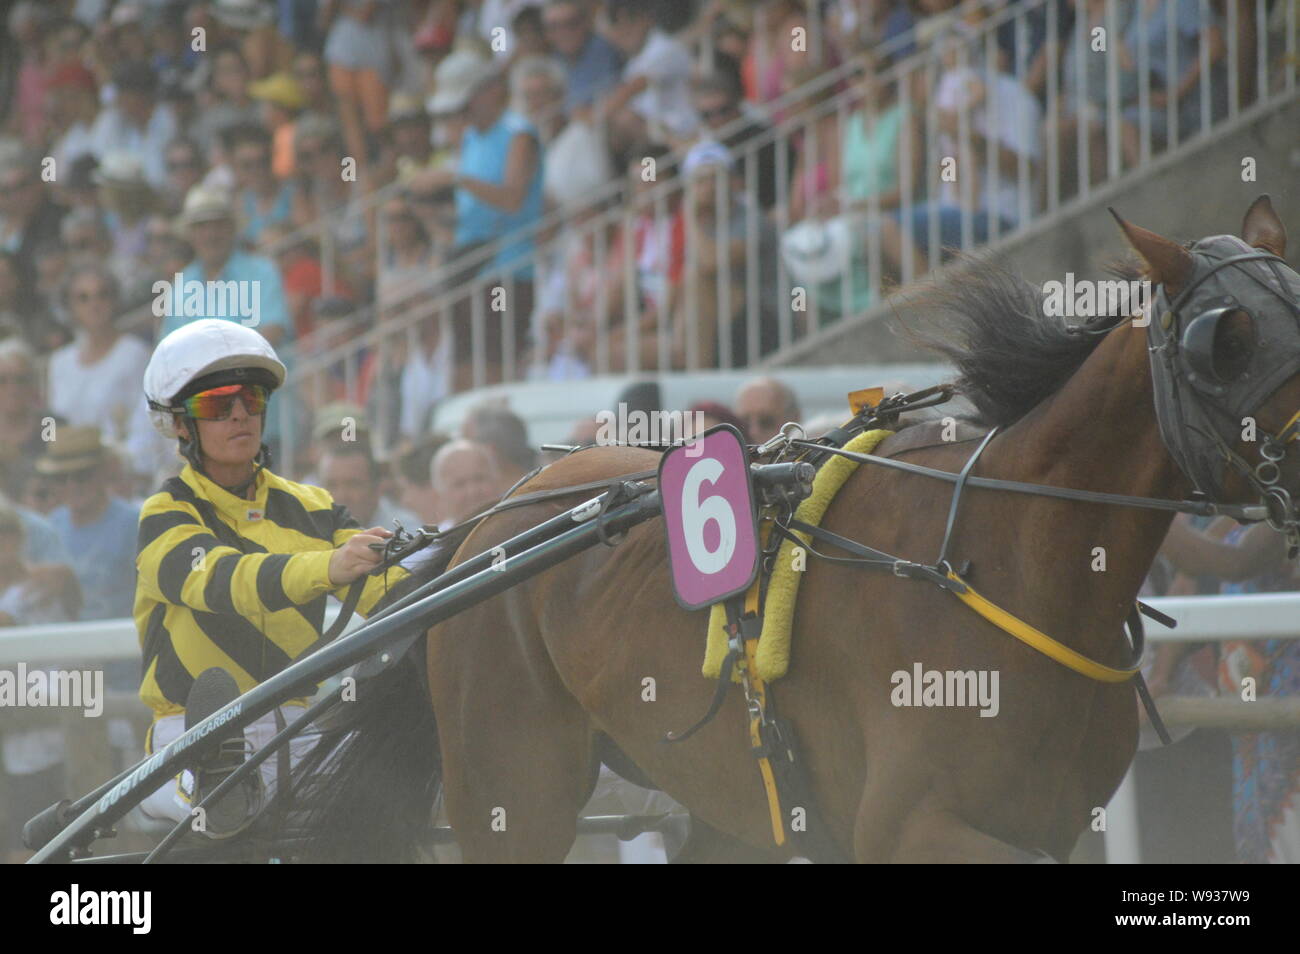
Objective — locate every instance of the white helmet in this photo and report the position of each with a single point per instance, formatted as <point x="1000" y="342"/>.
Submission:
<point x="202" y="349"/>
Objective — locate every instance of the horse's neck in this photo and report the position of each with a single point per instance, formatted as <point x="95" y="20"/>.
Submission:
<point x="1099" y="432"/>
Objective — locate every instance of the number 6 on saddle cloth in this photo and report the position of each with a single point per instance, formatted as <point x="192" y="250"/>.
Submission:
<point x="710" y="517"/>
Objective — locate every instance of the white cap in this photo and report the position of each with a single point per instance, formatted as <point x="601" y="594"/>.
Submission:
<point x="205" y="204"/>
<point x="705" y="153"/>
<point x="456" y="79"/>
<point x="121" y="168"/>
<point x="815" y="252"/>
<point x="198" y="349"/>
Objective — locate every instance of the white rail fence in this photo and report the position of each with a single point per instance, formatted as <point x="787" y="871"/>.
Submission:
<point x="1200" y="619"/>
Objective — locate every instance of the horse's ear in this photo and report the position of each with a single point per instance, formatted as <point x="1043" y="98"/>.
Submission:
<point x="1171" y="265"/>
<point x="1263" y="229"/>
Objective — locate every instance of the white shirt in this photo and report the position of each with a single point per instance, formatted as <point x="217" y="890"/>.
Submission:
<point x="426" y="379"/>
<point x="667" y="65"/>
<point x="112" y="133"/>
<point x="108" y="395"/>
<point x="78" y="141"/>
<point x="1018" y="119"/>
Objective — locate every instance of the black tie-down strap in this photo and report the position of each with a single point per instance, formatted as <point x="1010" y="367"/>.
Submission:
<point x="794" y="790"/>
<point x="1137" y="637"/>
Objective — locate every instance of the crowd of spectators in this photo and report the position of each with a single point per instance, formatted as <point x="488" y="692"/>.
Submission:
<point x="338" y="156"/>
<point x="356" y="158"/>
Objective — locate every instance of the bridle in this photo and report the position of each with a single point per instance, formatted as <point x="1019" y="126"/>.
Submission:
<point x="1201" y="410"/>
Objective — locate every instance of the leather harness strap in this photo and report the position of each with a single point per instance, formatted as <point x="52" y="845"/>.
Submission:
<point x="942" y="574"/>
<point x="1204" y="508"/>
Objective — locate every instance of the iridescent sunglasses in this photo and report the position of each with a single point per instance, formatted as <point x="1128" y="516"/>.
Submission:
<point x="215" y="404"/>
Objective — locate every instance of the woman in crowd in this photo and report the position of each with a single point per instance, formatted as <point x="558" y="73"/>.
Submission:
<point x="25" y="423"/>
<point x="104" y="363"/>
<point x="227" y="101"/>
<point x="325" y="197"/>
<point x="1265" y="765"/>
<point x="359" y="51"/>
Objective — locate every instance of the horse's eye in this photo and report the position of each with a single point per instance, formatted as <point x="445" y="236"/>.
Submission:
<point x="1220" y="345"/>
<point x="1234" y="345"/>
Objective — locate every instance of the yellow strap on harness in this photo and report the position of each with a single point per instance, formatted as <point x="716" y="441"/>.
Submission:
<point x="1294" y="417"/>
<point x="1036" y="638"/>
<point x="759" y="690"/>
<point x="778" y="614"/>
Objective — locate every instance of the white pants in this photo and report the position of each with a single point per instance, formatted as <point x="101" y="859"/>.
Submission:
<point x="170" y="802"/>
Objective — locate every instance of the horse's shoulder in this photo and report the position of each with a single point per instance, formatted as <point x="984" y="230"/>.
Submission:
<point x="941" y="431"/>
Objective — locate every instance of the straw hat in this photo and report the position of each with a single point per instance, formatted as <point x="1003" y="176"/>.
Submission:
<point x="73" y="449"/>
<point x="329" y="420"/>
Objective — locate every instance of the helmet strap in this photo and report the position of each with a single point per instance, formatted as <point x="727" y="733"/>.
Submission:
<point x="193" y="452"/>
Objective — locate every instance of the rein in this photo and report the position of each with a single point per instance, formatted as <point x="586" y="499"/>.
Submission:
<point x="1206" y="508"/>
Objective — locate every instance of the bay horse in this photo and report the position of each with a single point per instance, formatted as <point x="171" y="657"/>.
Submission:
<point x="531" y="689"/>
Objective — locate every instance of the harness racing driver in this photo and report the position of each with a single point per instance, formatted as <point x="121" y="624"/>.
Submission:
<point x="235" y="563"/>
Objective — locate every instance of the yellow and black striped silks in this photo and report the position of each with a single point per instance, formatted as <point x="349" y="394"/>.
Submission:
<point x="201" y="602"/>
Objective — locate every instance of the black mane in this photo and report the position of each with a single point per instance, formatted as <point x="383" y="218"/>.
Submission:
<point x="989" y="322"/>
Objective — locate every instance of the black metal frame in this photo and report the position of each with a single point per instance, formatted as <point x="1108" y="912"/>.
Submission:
<point x="73" y="827"/>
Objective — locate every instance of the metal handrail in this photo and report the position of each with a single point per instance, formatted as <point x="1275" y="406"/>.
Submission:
<point x="431" y="299"/>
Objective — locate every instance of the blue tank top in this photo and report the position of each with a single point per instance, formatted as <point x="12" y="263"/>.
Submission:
<point x="483" y="156"/>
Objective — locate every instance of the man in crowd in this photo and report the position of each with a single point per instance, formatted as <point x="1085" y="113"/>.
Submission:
<point x="498" y="182"/>
<point x="496" y="426"/>
<point x="349" y="471"/>
<point x="28" y="216"/>
<point x="719" y="100"/>
<point x="414" y="477"/>
<point x="653" y="101"/>
<point x="262" y="200"/>
<point x="465" y="477"/>
<point x="185" y="170"/>
<point x="408" y="139"/>
<point x="209" y="223"/>
<point x="591" y="62"/>
<point x="136" y="122"/>
<point x="764" y="404"/>
<point x="97" y="530"/>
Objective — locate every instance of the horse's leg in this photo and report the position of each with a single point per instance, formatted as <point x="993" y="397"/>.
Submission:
<point x="706" y="845"/>
<point x="517" y="748"/>
<point x="932" y="834"/>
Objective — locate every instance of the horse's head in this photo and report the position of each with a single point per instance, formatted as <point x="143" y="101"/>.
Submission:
<point x="1224" y="338"/>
